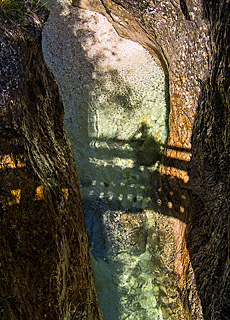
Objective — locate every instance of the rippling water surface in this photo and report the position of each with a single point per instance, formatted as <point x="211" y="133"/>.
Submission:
<point x="116" y="110"/>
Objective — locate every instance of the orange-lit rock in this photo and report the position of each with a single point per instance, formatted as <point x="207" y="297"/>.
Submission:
<point x="191" y="39"/>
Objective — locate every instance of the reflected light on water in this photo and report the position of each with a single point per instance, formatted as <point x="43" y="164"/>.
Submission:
<point x="116" y="112"/>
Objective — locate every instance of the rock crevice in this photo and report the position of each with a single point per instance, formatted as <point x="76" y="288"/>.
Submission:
<point x="45" y="269"/>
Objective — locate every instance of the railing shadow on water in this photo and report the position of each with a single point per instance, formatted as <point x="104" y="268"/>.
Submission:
<point x="124" y="199"/>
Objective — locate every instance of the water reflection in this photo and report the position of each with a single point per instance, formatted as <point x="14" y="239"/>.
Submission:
<point x="116" y="103"/>
<point x="121" y="202"/>
<point x="114" y="175"/>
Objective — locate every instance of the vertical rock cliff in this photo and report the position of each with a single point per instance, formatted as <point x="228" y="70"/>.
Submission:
<point x="208" y="234"/>
<point x="45" y="269"/>
<point x="191" y="39"/>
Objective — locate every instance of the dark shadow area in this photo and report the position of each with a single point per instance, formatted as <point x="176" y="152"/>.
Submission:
<point x="26" y="240"/>
<point x="210" y="167"/>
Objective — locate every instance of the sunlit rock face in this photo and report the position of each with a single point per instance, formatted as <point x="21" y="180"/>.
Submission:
<point x="45" y="269"/>
<point x="192" y="42"/>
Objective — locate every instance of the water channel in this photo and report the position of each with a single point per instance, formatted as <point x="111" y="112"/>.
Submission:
<point x="116" y="110"/>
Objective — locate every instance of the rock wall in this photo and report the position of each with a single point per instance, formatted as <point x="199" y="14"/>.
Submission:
<point x="190" y="38"/>
<point x="208" y="233"/>
<point x="45" y="269"/>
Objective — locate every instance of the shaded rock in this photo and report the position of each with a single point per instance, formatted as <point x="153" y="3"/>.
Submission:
<point x="45" y="269"/>
<point x="149" y="152"/>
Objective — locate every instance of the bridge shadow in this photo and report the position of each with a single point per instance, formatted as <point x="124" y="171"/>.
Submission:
<point x="176" y="181"/>
<point x="105" y="174"/>
<point x="196" y="194"/>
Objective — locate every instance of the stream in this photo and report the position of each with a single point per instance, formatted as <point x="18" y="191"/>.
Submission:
<point x="116" y="111"/>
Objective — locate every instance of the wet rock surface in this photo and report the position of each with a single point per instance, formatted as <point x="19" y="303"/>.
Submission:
<point x="45" y="269"/>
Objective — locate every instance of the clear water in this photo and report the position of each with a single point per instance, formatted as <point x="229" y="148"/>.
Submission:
<point x="116" y="108"/>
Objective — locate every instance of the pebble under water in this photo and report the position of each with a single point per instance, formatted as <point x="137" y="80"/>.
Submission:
<point x="116" y="111"/>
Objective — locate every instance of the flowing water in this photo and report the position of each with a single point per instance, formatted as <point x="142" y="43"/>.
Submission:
<point x="116" y="111"/>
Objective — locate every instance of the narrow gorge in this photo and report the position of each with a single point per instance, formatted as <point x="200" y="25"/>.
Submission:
<point x="115" y="191"/>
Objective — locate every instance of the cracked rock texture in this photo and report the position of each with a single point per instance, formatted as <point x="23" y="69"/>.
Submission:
<point x="45" y="269"/>
<point x="191" y="39"/>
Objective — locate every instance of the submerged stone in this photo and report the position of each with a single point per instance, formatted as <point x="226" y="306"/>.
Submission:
<point x="149" y="152"/>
